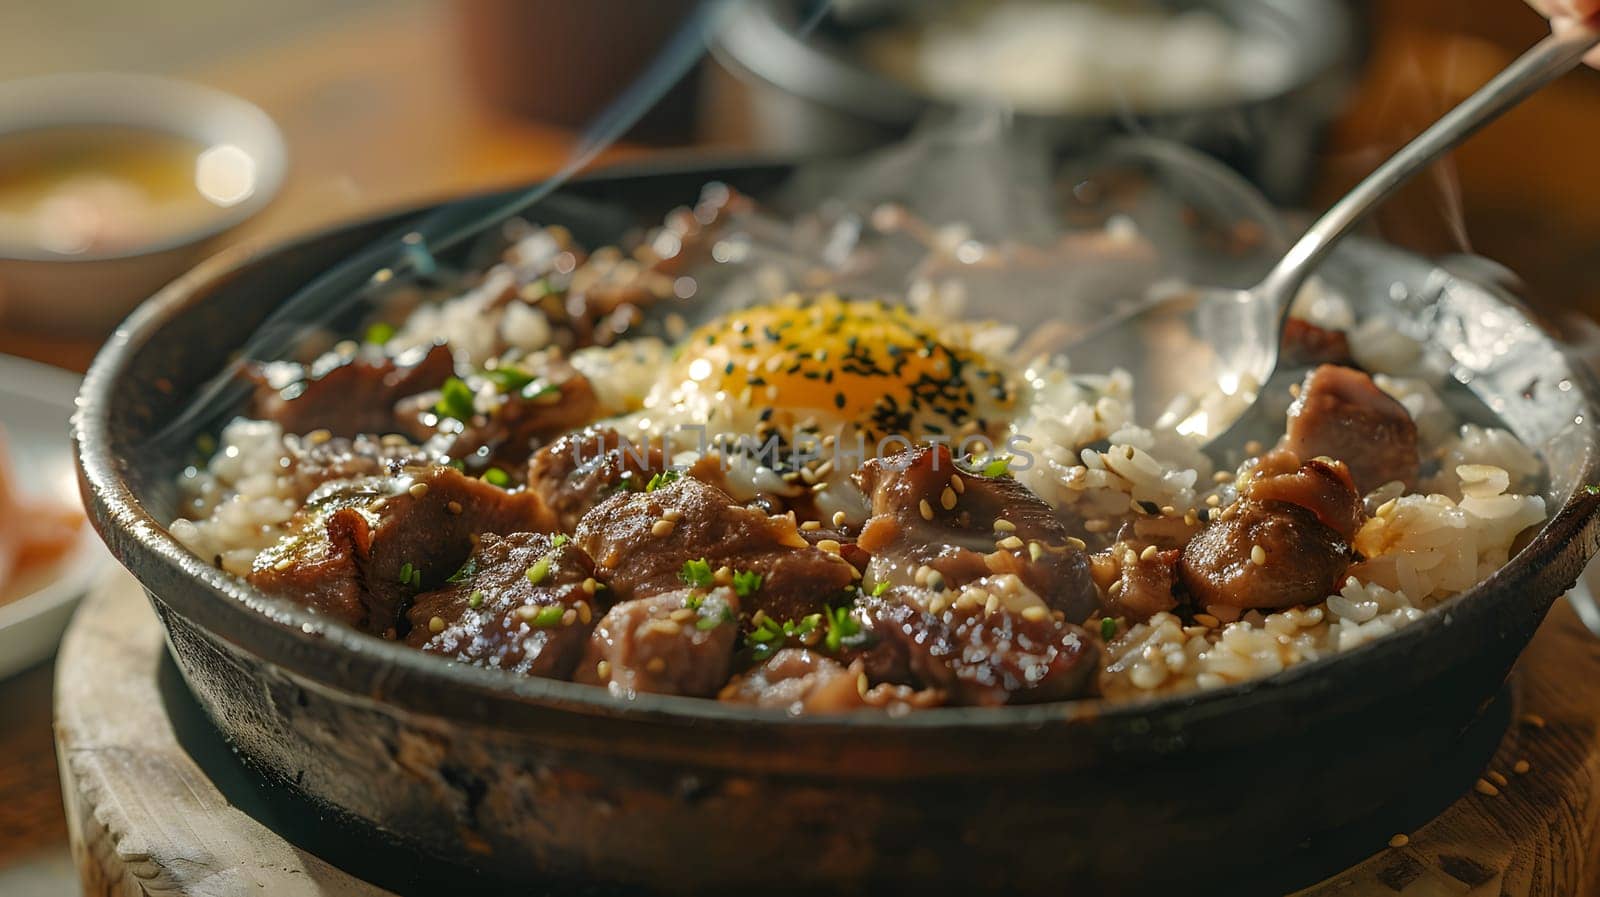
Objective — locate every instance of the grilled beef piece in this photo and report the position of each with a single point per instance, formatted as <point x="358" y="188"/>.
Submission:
<point x="1305" y="344"/>
<point x="1286" y="542"/>
<point x="802" y="681"/>
<point x="926" y="511"/>
<point x="346" y="393"/>
<point x="674" y="643"/>
<point x="799" y="681"/>
<point x="974" y="654"/>
<point x="641" y="540"/>
<point x="1137" y="585"/>
<point x="529" y="415"/>
<point x="1340" y="413"/>
<point x="1325" y="488"/>
<point x="317" y="460"/>
<point x="360" y="549"/>
<point x="517" y="604"/>
<point x="573" y="474"/>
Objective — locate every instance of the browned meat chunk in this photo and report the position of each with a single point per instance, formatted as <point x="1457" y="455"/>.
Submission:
<point x="572" y="474"/>
<point x="675" y="643"/>
<point x="362" y="548"/>
<point x="1285" y="543"/>
<point x="799" y="681"/>
<point x="519" y="604"/>
<point x="323" y="459"/>
<point x="927" y="512"/>
<point x="1324" y="488"/>
<point x="1139" y="582"/>
<point x="802" y="681"/>
<point x="1304" y="343"/>
<point x="346" y="393"/>
<point x="531" y="410"/>
<point x="974" y="654"/>
<point x="640" y="542"/>
<point x="1340" y="413"/>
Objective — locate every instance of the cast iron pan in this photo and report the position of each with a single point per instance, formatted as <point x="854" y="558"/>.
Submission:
<point x="541" y="783"/>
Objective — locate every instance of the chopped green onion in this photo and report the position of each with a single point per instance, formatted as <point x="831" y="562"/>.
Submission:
<point x="662" y="479"/>
<point x="455" y="400"/>
<point x="1108" y="628"/>
<point x="697" y="573"/>
<point x="458" y="464"/>
<point x="997" y="467"/>
<point x="1592" y="489"/>
<point x="539" y="570"/>
<point x="494" y="476"/>
<point x="745" y="582"/>
<point x="475" y="600"/>
<point x="380" y="332"/>
<point x="842" y="628"/>
<point x="559" y="540"/>
<point x="466" y="571"/>
<point x="406" y="572"/>
<point x="880" y="588"/>
<point x="509" y="378"/>
<point x="538" y="389"/>
<point x="549" y="616"/>
<point x="705" y="624"/>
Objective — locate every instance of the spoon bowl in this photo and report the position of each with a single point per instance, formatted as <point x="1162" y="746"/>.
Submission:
<point x="1199" y="356"/>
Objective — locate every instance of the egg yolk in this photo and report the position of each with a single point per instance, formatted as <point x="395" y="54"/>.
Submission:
<point x="876" y="366"/>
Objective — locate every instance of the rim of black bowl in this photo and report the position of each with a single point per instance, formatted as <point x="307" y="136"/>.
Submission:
<point x="272" y="628"/>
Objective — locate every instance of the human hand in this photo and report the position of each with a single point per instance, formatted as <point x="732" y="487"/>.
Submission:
<point x="1564" y="14"/>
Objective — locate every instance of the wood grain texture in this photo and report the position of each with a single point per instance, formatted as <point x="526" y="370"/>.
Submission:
<point x="145" y="819"/>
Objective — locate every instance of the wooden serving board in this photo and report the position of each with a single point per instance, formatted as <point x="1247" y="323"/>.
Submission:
<point x="145" y="817"/>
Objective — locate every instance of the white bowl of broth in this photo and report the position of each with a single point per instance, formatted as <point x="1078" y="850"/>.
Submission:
<point x="113" y="185"/>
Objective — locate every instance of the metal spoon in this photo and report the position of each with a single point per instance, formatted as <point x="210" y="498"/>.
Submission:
<point x="1202" y="340"/>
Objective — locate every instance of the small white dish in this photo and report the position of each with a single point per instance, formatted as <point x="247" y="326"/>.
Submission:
<point x="35" y="403"/>
<point x="89" y="292"/>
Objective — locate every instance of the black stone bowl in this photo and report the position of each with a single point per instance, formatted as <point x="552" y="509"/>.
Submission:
<point x="537" y="782"/>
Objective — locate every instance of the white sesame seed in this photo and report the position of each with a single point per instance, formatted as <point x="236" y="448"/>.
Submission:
<point x="925" y="509"/>
<point x="418" y="490"/>
<point x="1077" y="543"/>
<point x="672" y="514"/>
<point x="1010" y="543"/>
<point x="838" y="518"/>
<point x="436" y="625"/>
<point x="1521" y="767"/>
<point x="957" y="483"/>
<point x="453" y="507"/>
<point x="589" y="585"/>
<point x="661" y="527"/>
<point x="1035" y="613"/>
<point x="1258" y="555"/>
<point x="1484" y="786"/>
<point x="602" y="670"/>
<point x="584" y="612"/>
<point x="1400" y="840"/>
<point x="948" y="498"/>
<point x="1035" y="550"/>
<point x="569" y="617"/>
<point x="1148" y="553"/>
<point x="683" y="614"/>
<point x="829" y="545"/>
<point x="811" y="525"/>
<point x="1002" y="525"/>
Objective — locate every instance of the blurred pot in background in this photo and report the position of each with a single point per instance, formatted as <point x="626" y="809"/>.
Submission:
<point x="1252" y="82"/>
<point x="563" y="61"/>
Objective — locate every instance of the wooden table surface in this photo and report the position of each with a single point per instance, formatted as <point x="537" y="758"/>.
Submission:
<point x="378" y="114"/>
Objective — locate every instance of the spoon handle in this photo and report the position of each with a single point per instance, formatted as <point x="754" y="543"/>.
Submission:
<point x="1544" y="62"/>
